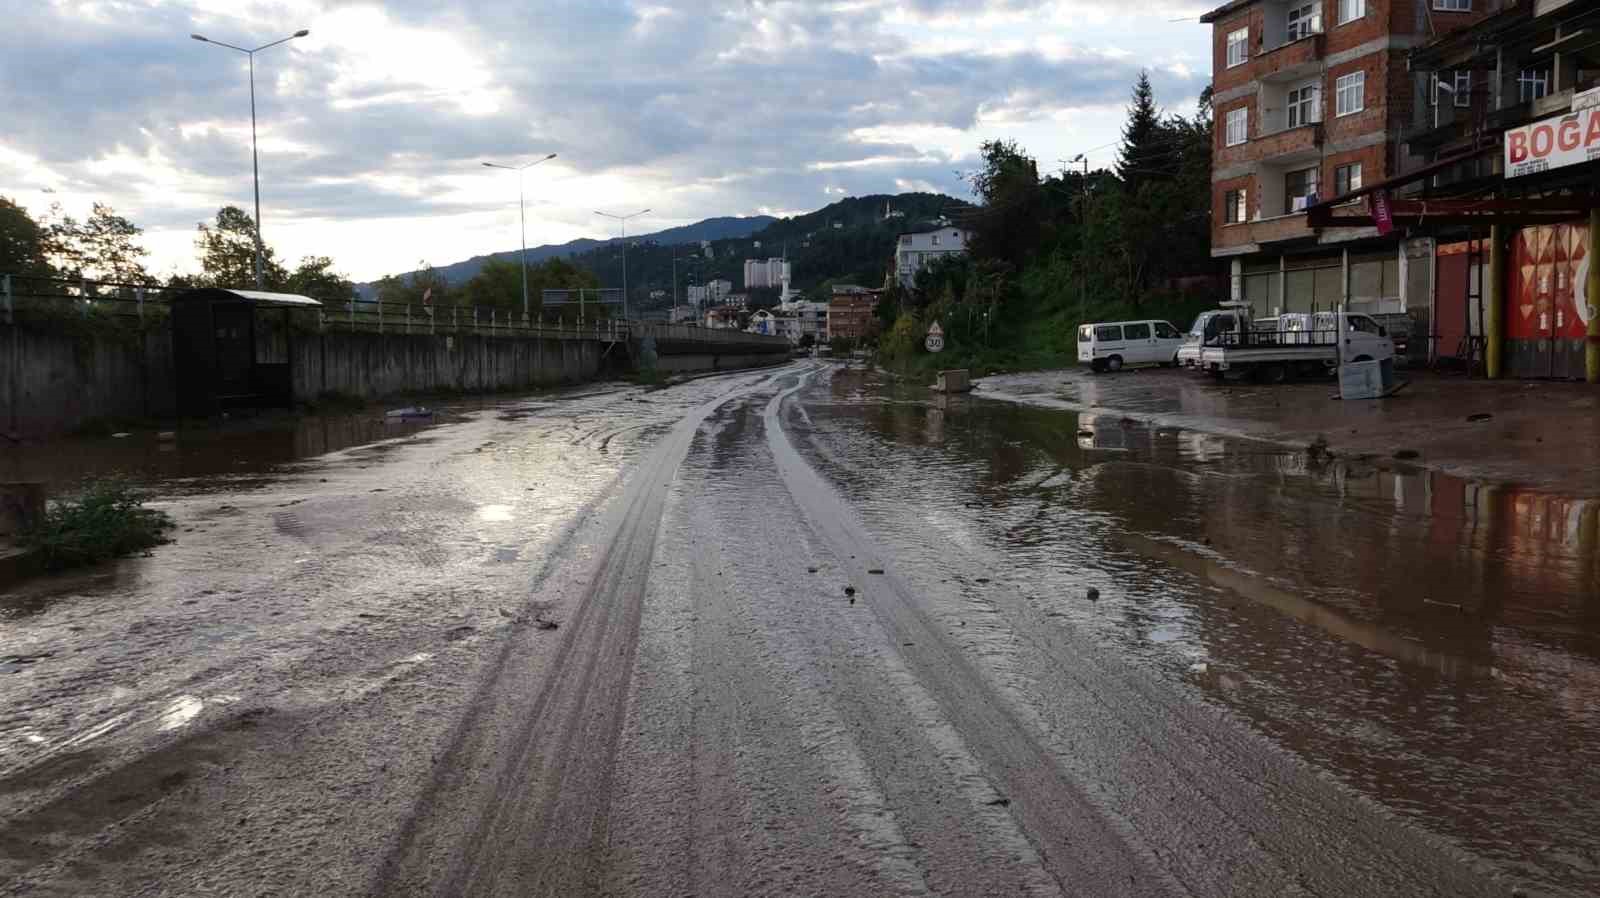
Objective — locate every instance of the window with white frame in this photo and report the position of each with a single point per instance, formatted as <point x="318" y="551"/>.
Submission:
<point x="1299" y="189"/>
<point x="1350" y="93"/>
<point x="1301" y="103"/>
<point x="1453" y="5"/>
<point x="1350" y="10"/>
<point x="1234" y="206"/>
<point x="1238" y="47"/>
<point x="1532" y="84"/>
<point x="1463" y="86"/>
<point x="1346" y="178"/>
<point x="1303" y="21"/>
<point x="1238" y="130"/>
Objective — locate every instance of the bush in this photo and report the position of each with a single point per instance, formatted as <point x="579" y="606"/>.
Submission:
<point x="107" y="521"/>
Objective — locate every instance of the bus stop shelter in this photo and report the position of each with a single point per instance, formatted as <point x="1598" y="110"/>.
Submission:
<point x="227" y="353"/>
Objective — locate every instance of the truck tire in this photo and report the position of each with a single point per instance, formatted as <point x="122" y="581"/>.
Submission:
<point x="1114" y="363"/>
<point x="1272" y="374"/>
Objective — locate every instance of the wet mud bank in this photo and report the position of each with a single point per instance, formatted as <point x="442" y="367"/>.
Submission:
<point x="1510" y="432"/>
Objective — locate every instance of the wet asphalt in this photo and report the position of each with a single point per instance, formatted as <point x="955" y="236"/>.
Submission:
<point x="808" y="631"/>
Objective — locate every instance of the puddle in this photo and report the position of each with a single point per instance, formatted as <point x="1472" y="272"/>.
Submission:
<point x="1424" y="638"/>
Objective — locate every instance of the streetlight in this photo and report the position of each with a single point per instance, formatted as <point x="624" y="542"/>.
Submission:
<point x="255" y="158"/>
<point x="623" y="220"/>
<point x="523" y="212"/>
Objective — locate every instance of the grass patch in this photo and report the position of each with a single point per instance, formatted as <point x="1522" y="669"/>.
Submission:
<point x="108" y="521"/>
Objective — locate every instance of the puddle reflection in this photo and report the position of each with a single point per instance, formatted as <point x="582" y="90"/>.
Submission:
<point x="1425" y="638"/>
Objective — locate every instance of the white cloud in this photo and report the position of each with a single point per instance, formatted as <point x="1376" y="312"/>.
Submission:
<point x="373" y="128"/>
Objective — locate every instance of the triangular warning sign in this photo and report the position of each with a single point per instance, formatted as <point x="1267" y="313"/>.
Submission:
<point x="936" y="330"/>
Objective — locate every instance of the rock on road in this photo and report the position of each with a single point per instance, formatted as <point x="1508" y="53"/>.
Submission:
<point x="379" y="706"/>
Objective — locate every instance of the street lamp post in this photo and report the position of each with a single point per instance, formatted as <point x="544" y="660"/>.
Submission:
<point x="623" y="220"/>
<point x="255" y="157"/>
<point x="522" y="211"/>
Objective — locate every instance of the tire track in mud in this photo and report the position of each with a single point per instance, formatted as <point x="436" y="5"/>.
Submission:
<point x="544" y="726"/>
<point x="1085" y="850"/>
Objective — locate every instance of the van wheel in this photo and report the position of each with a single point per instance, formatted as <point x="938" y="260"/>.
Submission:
<point x="1114" y="363"/>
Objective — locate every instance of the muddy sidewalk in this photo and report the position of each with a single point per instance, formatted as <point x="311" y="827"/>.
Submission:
<point x="1539" y="434"/>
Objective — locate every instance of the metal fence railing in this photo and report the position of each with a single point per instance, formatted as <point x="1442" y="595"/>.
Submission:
<point x="136" y="305"/>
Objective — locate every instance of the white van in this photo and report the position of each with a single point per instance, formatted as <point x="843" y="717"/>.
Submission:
<point x="1112" y="345"/>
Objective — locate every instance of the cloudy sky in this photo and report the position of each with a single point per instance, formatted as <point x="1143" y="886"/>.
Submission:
<point x="373" y="128"/>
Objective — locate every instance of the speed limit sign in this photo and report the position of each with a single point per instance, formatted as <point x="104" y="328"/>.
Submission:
<point x="935" y="340"/>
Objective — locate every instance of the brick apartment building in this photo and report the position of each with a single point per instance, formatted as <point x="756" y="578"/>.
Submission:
<point x="851" y="315"/>
<point x="1311" y="98"/>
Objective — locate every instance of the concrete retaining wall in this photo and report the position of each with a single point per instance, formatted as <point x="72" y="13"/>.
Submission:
<point x="53" y="383"/>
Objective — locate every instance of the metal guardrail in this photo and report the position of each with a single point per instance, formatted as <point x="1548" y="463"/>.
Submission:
<point x="146" y="304"/>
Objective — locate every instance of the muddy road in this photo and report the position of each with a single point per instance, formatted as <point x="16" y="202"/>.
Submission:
<point x="808" y="631"/>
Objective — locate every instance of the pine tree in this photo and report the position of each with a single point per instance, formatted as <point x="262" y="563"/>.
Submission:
<point x="1142" y="150"/>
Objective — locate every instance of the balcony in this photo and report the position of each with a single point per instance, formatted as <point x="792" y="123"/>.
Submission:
<point x="1290" y="61"/>
<point x="1290" y="145"/>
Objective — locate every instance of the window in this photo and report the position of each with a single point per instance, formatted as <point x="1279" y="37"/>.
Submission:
<point x="1302" y="105"/>
<point x="1453" y="5"/>
<point x="1351" y="92"/>
<point x="1299" y="189"/>
<point x="1085" y="334"/>
<point x="1233" y="207"/>
<point x="1350" y="10"/>
<point x="1110" y="334"/>
<point x="1346" y="178"/>
<point x="1137" y="332"/>
<point x="1532" y="84"/>
<point x="1304" y="21"/>
<point x="935" y="239"/>
<point x="1166" y="331"/>
<point x="1457" y="84"/>
<point x="1238" y="125"/>
<point x="1364" y="324"/>
<point x="1238" y="47"/>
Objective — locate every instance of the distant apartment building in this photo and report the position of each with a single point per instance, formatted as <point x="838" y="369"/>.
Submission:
<point x="1309" y="99"/>
<point x="760" y="273"/>
<point x="709" y="294"/>
<point x="851" y="315"/>
<point x="917" y="251"/>
<point x="805" y="318"/>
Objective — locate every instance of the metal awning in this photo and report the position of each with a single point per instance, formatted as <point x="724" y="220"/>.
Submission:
<point x="255" y="297"/>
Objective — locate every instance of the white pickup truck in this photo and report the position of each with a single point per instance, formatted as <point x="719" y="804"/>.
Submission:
<point x="1226" y="342"/>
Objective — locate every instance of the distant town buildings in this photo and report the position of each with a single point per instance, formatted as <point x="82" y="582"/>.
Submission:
<point x="722" y="318"/>
<point x="710" y="294"/>
<point x="917" y="251"/>
<point x="705" y="247"/>
<point x="759" y="273"/>
<point x="800" y="318"/>
<point x="850" y="313"/>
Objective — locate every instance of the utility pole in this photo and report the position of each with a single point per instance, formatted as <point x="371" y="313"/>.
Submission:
<point x="1083" y="239"/>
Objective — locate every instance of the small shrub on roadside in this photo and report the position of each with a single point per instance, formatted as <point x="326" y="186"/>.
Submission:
<point x="107" y="521"/>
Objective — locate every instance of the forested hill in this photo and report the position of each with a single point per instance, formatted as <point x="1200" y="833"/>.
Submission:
<point x="459" y="273"/>
<point x="848" y="241"/>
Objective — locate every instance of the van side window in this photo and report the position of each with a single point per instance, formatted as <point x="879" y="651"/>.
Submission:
<point x="1166" y="331"/>
<point x="1136" y="331"/>
<point x="1110" y="334"/>
<point x="1363" y="323"/>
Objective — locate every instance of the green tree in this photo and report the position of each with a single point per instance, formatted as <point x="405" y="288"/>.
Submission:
<point x="23" y="242"/>
<point x="227" y="251"/>
<point x="1007" y="224"/>
<point x="315" y="277"/>
<point x="103" y="247"/>
<point x="1145" y="142"/>
<point x="498" y="284"/>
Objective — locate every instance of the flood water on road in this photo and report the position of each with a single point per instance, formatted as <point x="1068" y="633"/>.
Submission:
<point x="1433" y="643"/>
